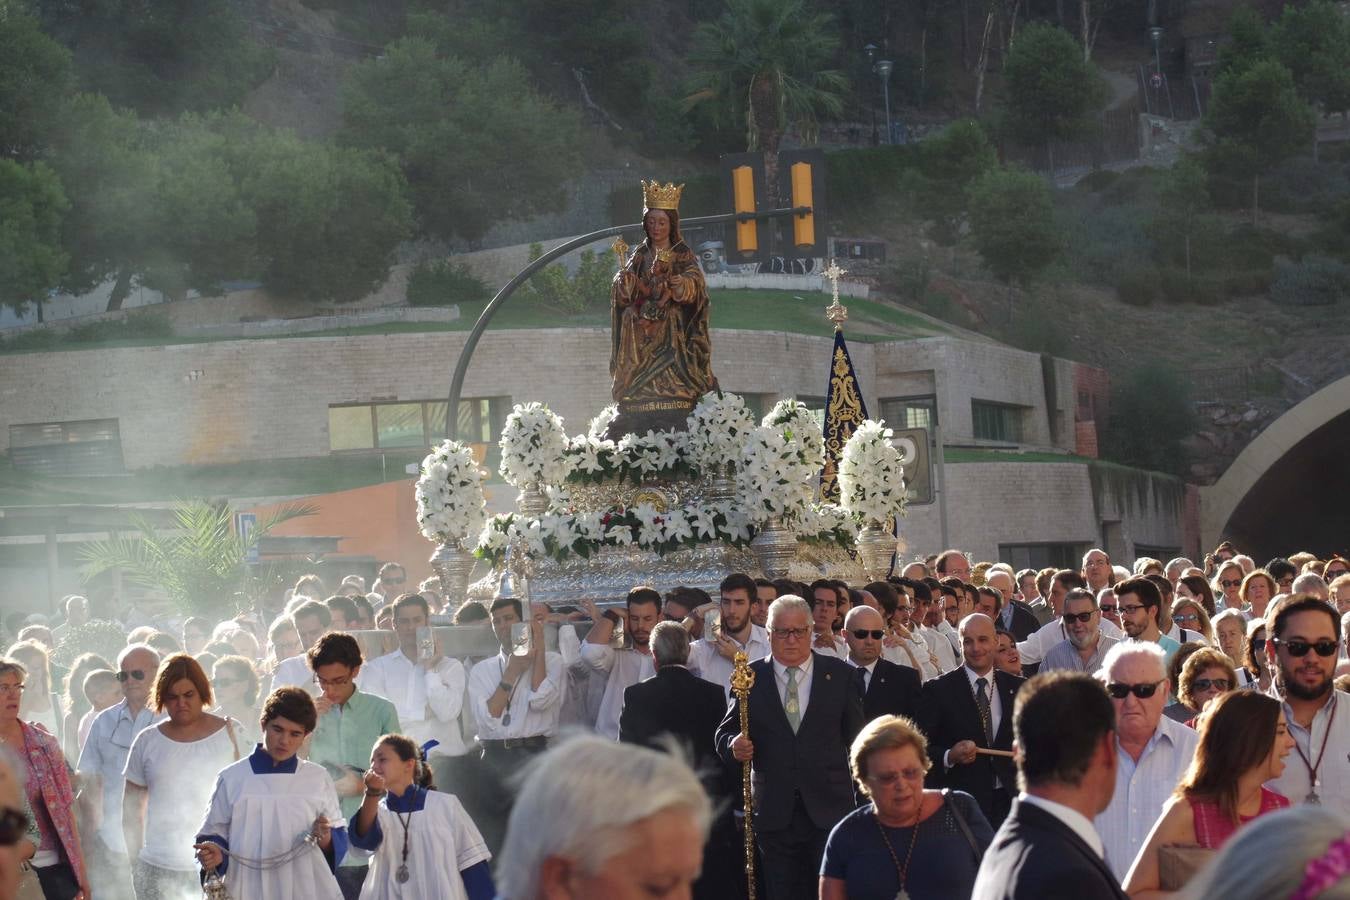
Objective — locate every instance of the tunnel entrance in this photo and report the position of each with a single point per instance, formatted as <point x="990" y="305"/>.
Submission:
<point x="1301" y="502"/>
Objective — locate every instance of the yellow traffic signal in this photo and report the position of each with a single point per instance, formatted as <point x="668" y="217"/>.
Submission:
<point x="743" y="200"/>
<point x="803" y="224"/>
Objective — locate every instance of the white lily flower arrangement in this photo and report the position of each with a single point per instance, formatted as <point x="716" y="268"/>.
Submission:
<point x="773" y="480"/>
<point x="534" y="447"/>
<point x="717" y="430"/>
<point x="450" y="503"/>
<point x="871" y="474"/>
<point x="794" y="417"/>
<point x="828" y="523"/>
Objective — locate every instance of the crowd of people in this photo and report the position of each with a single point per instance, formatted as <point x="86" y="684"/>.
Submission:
<point x="957" y="730"/>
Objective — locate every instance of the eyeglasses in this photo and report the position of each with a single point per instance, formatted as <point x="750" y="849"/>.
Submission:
<point x="887" y="779"/>
<point x="138" y="674"/>
<point x="1084" y="617"/>
<point x="398" y="580"/>
<point x="1205" y="684"/>
<point x="1131" y="609"/>
<point x="13" y="826"/>
<point x="1107" y="608"/>
<point x="1226" y="582"/>
<point x="863" y="634"/>
<point x="1186" y="617"/>
<point x="11" y="689"/>
<point x="340" y="681"/>
<point x="785" y="633"/>
<point x="1301" y="648"/>
<point x="1143" y="691"/>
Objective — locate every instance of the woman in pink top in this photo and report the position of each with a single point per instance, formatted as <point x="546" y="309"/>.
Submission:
<point x="1243" y="744"/>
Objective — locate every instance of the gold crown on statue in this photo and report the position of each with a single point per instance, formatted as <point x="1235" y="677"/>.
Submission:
<point x="661" y="196"/>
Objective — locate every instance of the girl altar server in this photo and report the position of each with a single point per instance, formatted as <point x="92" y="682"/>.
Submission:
<point x="423" y="843"/>
<point x="274" y="827"/>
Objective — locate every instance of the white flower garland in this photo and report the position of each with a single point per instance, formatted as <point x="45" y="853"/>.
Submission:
<point x="717" y="430"/>
<point x="534" y="447"/>
<point x="450" y="504"/>
<point x="773" y="480"/>
<point x="871" y="476"/>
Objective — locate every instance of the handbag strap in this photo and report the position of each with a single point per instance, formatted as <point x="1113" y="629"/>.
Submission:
<point x="961" y="823"/>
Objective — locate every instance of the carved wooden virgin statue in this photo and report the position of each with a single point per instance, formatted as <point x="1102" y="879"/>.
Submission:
<point x="660" y="354"/>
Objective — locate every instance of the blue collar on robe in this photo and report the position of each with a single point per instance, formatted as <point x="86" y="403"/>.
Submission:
<point x="263" y="764"/>
<point x="414" y="799"/>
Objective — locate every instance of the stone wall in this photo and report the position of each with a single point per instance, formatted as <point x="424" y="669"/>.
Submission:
<point x="229" y="401"/>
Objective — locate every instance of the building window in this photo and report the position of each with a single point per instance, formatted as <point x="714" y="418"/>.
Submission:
<point x="414" y="424"/>
<point x="1040" y="556"/>
<point x="817" y="407"/>
<point x="909" y="412"/>
<point x="996" y="421"/>
<point x="88" y="447"/>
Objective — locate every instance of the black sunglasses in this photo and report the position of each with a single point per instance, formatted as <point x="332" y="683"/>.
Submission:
<point x="1301" y="648"/>
<point x="138" y="674"/>
<point x="13" y="827"/>
<point x="863" y="634"/>
<point x="1204" y="684"/>
<point x="1258" y="644"/>
<point x="1107" y="608"/>
<point x="1142" y="691"/>
<point x="1083" y="617"/>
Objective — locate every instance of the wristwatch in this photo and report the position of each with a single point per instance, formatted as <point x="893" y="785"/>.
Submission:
<point x="504" y="687"/>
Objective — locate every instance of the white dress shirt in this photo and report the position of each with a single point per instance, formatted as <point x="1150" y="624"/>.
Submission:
<point x="1078" y="823"/>
<point x="838" y="646"/>
<point x="708" y="664"/>
<point x="941" y="648"/>
<point x="624" y="668"/>
<point x="534" y="711"/>
<point x="909" y="651"/>
<point x="1142" y="788"/>
<point x="428" y="702"/>
<point x="1038" y="643"/>
<point x="803" y="684"/>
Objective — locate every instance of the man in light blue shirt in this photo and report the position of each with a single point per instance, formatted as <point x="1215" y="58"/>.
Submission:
<point x="102" y="763"/>
<point x="1152" y="751"/>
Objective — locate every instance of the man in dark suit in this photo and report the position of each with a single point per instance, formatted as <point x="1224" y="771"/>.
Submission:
<point x="805" y="710"/>
<point x="1047" y="847"/>
<point x="887" y="689"/>
<point x="676" y="703"/>
<point x="968" y="710"/>
<point x="1014" y="616"/>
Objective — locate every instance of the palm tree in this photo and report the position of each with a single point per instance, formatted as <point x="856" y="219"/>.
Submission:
<point x="199" y="562"/>
<point x="763" y="63"/>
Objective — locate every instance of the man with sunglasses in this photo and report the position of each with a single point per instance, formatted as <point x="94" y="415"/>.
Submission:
<point x="887" y="689"/>
<point x="392" y="577"/>
<point x="1303" y="640"/>
<point x="1152" y="751"/>
<point x="101" y="767"/>
<point x="1084" y="646"/>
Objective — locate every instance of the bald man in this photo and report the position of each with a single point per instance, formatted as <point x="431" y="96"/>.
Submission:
<point x="969" y="710"/>
<point x="887" y="689"/>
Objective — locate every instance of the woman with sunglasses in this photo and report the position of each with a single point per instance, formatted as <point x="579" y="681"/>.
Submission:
<point x="1243" y="744"/>
<point x="1206" y="674"/>
<point x="1226" y="583"/>
<point x="58" y="858"/>
<point x="236" y="685"/>
<point x="1254" y="656"/>
<point x="1191" y="616"/>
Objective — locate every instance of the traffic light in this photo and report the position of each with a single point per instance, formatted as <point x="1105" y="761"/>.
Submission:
<point x="743" y="178"/>
<point x="804" y="172"/>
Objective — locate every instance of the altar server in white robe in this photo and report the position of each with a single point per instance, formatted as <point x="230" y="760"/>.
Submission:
<point x="423" y="844"/>
<point x="265" y="805"/>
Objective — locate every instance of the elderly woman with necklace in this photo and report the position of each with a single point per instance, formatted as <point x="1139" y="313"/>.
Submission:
<point x="423" y="842"/>
<point x="908" y="842"/>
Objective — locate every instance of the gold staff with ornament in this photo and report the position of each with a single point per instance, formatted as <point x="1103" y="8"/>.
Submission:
<point x="742" y="680"/>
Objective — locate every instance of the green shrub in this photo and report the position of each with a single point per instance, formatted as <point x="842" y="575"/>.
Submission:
<point x="135" y="326"/>
<point x="1138" y="287"/>
<point x="908" y="278"/>
<point x="575" y="292"/>
<point x="39" y="339"/>
<point x="1316" y="281"/>
<point x="1151" y="417"/>
<point x="861" y="178"/>
<point x="1248" y="283"/>
<point x="443" y="283"/>
<point x="1201" y="289"/>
